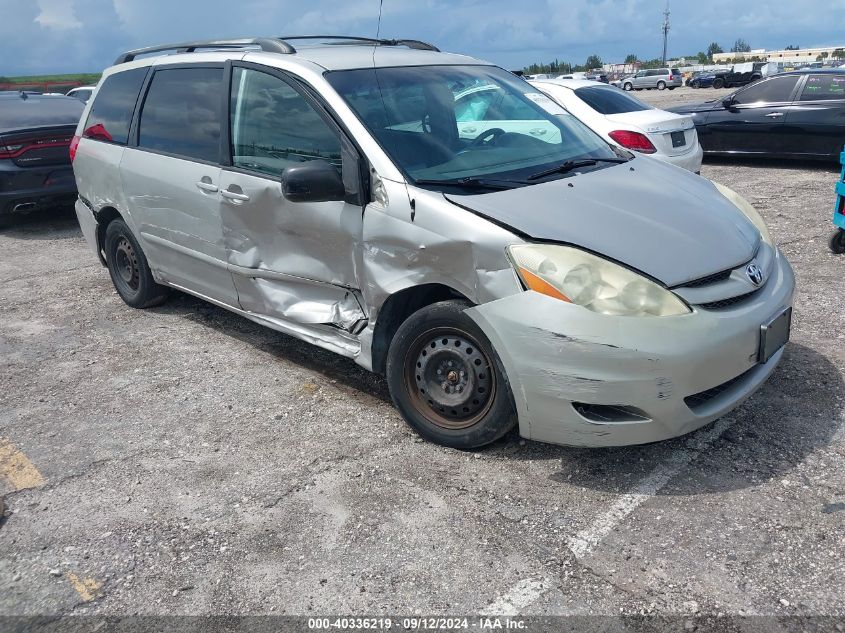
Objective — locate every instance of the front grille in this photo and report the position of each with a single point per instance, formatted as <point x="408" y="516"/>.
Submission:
<point x="610" y="413"/>
<point x="726" y="303"/>
<point x="698" y="400"/>
<point x="709" y="279"/>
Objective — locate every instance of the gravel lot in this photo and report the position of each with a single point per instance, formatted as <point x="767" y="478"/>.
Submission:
<point x="183" y="460"/>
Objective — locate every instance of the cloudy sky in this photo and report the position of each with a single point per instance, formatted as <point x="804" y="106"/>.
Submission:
<point x="56" y="36"/>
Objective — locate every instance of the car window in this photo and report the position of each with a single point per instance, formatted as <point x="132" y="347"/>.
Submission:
<point x="111" y="113"/>
<point x="181" y="114"/>
<point x="824" y="88"/>
<point x="775" y="90"/>
<point x="491" y="104"/>
<point x="273" y="126"/>
<point x="607" y="100"/>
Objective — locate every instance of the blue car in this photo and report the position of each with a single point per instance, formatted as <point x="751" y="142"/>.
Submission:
<point x="704" y="80"/>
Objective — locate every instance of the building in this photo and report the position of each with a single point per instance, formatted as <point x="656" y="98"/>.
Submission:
<point x="800" y="56"/>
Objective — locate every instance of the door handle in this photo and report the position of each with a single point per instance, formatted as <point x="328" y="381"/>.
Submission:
<point x="234" y="196"/>
<point x="207" y="186"/>
<point x="774" y="115"/>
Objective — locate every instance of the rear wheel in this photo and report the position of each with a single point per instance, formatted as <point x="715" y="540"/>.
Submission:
<point x="446" y="379"/>
<point x="661" y="85"/>
<point x="628" y="86"/>
<point x="718" y="83"/>
<point x="837" y="242"/>
<point x="129" y="270"/>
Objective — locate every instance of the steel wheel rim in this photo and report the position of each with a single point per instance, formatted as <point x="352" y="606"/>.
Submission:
<point x="450" y="379"/>
<point x="126" y="264"/>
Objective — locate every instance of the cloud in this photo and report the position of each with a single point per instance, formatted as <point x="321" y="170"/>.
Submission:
<point x="52" y="36"/>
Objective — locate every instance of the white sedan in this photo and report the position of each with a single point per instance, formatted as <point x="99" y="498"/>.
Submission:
<point x="626" y="121"/>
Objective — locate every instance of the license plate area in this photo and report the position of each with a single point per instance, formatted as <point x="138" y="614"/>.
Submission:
<point x="679" y="139"/>
<point x="774" y="335"/>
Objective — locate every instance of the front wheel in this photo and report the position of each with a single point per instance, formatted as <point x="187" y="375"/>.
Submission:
<point x="718" y="83"/>
<point x="446" y="379"/>
<point x="628" y="87"/>
<point x="661" y="85"/>
<point x="129" y="270"/>
<point x="837" y="242"/>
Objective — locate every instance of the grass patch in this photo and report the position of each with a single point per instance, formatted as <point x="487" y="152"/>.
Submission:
<point x="85" y="78"/>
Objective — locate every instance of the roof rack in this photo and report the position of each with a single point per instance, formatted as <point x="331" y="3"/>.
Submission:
<point x="268" y="45"/>
<point x="349" y="39"/>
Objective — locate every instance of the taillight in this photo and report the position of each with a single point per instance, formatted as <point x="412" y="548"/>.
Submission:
<point x="633" y="140"/>
<point x="10" y="151"/>
<point x="671" y="77"/>
<point x="74" y="143"/>
<point x="22" y="146"/>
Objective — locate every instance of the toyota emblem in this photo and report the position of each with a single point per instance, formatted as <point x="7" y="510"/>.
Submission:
<point x="754" y="274"/>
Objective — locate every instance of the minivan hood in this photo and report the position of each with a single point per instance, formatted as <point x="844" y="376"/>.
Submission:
<point x="661" y="220"/>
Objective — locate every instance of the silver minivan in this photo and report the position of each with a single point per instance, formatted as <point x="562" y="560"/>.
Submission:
<point x="660" y="78"/>
<point x="442" y="223"/>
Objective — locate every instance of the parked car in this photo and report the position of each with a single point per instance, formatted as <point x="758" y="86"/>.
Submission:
<point x="702" y="80"/>
<point x="35" y="133"/>
<point x="739" y="75"/>
<point x="494" y="258"/>
<point x="83" y="93"/>
<point x="624" y="120"/>
<point x="799" y="114"/>
<point x="660" y="78"/>
<point x="601" y="77"/>
<point x="618" y="82"/>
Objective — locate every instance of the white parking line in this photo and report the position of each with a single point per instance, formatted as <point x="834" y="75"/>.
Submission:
<point x="527" y="591"/>
<point x="524" y="593"/>
<point x="586" y="540"/>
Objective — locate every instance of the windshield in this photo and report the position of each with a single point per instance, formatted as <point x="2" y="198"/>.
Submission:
<point x="466" y="122"/>
<point x="607" y="100"/>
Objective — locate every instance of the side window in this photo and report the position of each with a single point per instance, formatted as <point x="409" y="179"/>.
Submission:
<point x="774" y="90"/>
<point x="181" y="114"/>
<point x="824" y="88"/>
<point x="273" y="126"/>
<point x="112" y="110"/>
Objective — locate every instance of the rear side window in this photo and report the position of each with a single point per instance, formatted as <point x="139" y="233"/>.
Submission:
<point x="610" y="100"/>
<point x="112" y="110"/>
<point x="774" y="90"/>
<point x="676" y="71"/>
<point x="824" y="88"/>
<point x="181" y="114"/>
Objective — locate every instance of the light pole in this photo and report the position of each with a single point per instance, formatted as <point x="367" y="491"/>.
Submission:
<point x="665" y="31"/>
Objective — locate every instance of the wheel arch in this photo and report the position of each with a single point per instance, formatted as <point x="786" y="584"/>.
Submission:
<point x="397" y="308"/>
<point x="104" y="217"/>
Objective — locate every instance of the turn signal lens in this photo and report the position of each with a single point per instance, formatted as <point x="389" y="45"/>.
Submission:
<point x="633" y="140"/>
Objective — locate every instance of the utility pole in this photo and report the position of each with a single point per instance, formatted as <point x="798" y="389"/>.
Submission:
<point x="665" y="30"/>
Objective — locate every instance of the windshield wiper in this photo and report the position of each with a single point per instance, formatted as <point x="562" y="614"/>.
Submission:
<point x="473" y="183"/>
<point x="575" y="164"/>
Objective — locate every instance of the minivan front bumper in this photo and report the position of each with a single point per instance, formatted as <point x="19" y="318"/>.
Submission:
<point x="659" y="377"/>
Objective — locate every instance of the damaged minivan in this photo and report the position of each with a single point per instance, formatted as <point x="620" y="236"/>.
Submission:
<point x="442" y="223"/>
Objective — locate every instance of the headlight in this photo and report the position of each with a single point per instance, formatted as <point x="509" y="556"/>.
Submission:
<point x="575" y="276"/>
<point x="748" y="211"/>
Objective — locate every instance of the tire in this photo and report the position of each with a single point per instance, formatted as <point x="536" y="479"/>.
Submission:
<point x="473" y="406"/>
<point x="129" y="270"/>
<point x="628" y="87"/>
<point x="837" y="242"/>
<point x="718" y="83"/>
<point x="694" y="85"/>
<point x="661" y="85"/>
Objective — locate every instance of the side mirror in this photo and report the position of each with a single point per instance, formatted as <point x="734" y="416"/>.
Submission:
<point x="728" y="102"/>
<point x="312" y="181"/>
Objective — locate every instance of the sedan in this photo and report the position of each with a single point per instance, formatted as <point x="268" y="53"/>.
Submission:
<point x="35" y="134"/>
<point x="624" y="120"/>
<point x="702" y="80"/>
<point x="798" y="114"/>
